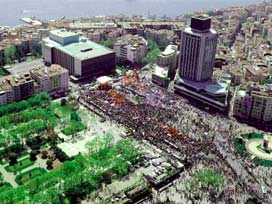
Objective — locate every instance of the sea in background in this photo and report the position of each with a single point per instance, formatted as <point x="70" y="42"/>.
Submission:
<point x="12" y="10"/>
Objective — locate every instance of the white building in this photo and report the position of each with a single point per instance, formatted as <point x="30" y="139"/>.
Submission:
<point x="53" y="80"/>
<point x="198" y="49"/>
<point x="197" y="57"/>
<point x="169" y="59"/>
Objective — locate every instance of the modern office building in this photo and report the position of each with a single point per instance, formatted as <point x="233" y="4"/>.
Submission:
<point x="196" y="62"/>
<point x="53" y="80"/>
<point x="83" y="58"/>
<point x="254" y="104"/>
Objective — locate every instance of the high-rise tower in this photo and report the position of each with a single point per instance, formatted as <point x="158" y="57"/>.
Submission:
<point x="197" y="56"/>
<point x="198" y="49"/>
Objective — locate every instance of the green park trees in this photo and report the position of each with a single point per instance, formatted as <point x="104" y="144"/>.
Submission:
<point x="37" y="49"/>
<point x="74" y="116"/>
<point x="33" y="155"/>
<point x="77" y="178"/>
<point x="154" y="51"/>
<point x="42" y="100"/>
<point x="75" y="124"/>
<point x="18" y="52"/>
<point x="12" y="158"/>
<point x="10" y="54"/>
<point x="107" y="43"/>
<point x="49" y="164"/>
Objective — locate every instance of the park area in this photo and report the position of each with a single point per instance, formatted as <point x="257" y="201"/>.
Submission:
<point x="38" y="116"/>
<point x="76" y="178"/>
<point x="52" y="151"/>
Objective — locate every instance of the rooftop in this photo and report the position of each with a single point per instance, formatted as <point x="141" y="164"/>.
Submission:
<point x="49" y="71"/>
<point x="214" y="88"/>
<point x="15" y="81"/>
<point x="92" y="25"/>
<point x="160" y="71"/>
<point x="170" y="49"/>
<point x="82" y="50"/>
<point x="63" y="33"/>
<point x="201" y="23"/>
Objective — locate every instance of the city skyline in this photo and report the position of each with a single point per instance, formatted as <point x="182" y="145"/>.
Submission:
<point x="124" y="109"/>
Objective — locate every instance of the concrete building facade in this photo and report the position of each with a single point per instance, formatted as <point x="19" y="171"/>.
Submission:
<point x="169" y="59"/>
<point x="53" y="80"/>
<point x="198" y="49"/>
<point x="83" y="58"/>
<point x="16" y="88"/>
<point x="130" y="49"/>
<point x="196" y="63"/>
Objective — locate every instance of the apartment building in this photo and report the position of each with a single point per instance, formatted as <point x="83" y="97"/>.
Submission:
<point x="255" y="103"/>
<point x="53" y="80"/>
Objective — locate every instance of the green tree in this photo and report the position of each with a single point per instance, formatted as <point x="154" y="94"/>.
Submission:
<point x="49" y="164"/>
<point x="152" y="56"/>
<point x="10" y="54"/>
<point x="33" y="155"/>
<point x="107" y="43"/>
<point x="12" y="158"/>
<point x="74" y="116"/>
<point x="2" y="58"/>
<point x="37" y="49"/>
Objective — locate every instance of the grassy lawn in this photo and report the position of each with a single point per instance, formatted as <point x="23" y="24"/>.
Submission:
<point x="74" y="127"/>
<point x="4" y="162"/>
<point x="5" y="186"/>
<point x="62" y="111"/>
<point x="20" y="165"/>
<point x="24" y="178"/>
<point x="253" y="136"/>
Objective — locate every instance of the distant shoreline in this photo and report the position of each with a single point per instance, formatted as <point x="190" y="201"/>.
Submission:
<point x="11" y="13"/>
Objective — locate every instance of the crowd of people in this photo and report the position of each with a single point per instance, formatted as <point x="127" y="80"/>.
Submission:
<point x="154" y="108"/>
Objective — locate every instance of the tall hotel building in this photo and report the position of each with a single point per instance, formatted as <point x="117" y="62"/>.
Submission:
<point x="197" y="56"/>
<point x="198" y="50"/>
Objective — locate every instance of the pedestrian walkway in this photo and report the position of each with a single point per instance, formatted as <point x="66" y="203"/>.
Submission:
<point x="8" y="177"/>
<point x="39" y="163"/>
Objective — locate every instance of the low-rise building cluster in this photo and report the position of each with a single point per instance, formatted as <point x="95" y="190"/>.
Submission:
<point x="53" y="80"/>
